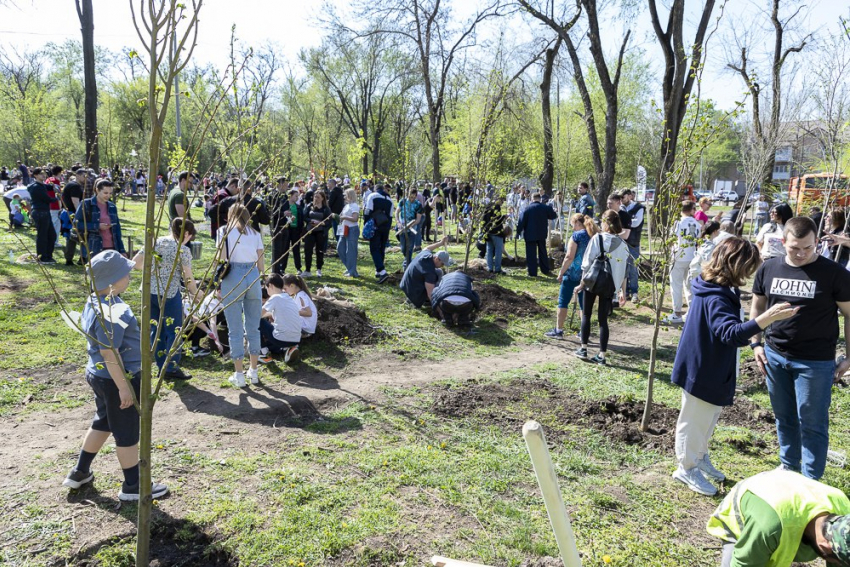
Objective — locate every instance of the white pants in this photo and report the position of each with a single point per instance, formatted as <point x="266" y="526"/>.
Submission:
<point x="54" y="216"/>
<point x="694" y="429"/>
<point x="678" y="281"/>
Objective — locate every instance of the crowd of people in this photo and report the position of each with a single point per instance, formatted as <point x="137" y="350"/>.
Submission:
<point x="801" y="294"/>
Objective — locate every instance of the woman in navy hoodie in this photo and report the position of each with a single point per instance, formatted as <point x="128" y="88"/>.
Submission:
<point x="707" y="355"/>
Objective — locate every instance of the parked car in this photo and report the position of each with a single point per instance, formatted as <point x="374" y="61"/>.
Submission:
<point x="700" y="194"/>
<point x="727" y="196"/>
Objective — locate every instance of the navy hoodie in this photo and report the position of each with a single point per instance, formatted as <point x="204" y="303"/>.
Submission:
<point x="713" y="332"/>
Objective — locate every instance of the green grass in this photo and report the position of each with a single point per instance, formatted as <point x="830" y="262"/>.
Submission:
<point x="376" y="482"/>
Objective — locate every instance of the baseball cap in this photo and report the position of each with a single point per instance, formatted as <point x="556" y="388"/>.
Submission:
<point x="444" y="257"/>
<point x="838" y="533"/>
<point x="108" y="267"/>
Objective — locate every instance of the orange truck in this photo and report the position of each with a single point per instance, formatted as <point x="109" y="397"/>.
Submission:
<point x="812" y="189"/>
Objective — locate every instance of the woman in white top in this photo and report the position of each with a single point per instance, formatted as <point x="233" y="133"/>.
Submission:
<point x="242" y="247"/>
<point x="771" y="235"/>
<point x="618" y="256"/>
<point x="348" y="233"/>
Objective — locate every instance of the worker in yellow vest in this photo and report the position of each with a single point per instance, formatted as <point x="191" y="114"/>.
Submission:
<point x="779" y="517"/>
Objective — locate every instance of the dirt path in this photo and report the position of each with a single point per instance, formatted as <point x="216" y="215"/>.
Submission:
<point x="216" y="419"/>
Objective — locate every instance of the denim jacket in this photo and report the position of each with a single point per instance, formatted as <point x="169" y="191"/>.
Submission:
<point x="87" y="222"/>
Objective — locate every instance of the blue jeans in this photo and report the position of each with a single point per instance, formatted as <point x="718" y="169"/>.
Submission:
<point x="241" y="295"/>
<point x="417" y="238"/>
<point x="406" y="240"/>
<point x="346" y="248"/>
<point x="632" y="271"/>
<point x="800" y="393"/>
<point x="171" y="310"/>
<point x="495" y="247"/>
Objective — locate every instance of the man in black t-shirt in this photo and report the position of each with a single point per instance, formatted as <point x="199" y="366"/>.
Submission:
<point x="72" y="195"/>
<point x="799" y="355"/>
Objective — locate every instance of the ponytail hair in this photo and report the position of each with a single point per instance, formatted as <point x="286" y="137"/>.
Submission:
<point x="587" y="221"/>
<point x="297" y="281"/>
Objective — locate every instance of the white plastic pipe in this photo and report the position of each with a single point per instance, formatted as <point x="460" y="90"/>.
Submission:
<point x="535" y="440"/>
<point x="446" y="562"/>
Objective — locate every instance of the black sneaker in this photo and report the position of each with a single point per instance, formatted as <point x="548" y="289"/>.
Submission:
<point x="555" y="333"/>
<point x="131" y="493"/>
<point x="383" y="277"/>
<point x="581" y="353"/>
<point x="598" y="360"/>
<point x="49" y="261"/>
<point x="176" y="374"/>
<point x="76" y="479"/>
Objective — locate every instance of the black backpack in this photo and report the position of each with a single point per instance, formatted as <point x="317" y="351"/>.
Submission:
<point x="598" y="279"/>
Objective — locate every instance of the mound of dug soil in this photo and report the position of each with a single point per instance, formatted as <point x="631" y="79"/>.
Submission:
<point x="341" y="322"/>
<point x="497" y="300"/>
<point x="511" y="405"/>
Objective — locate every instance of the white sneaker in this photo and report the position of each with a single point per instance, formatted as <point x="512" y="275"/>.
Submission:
<point x="306" y="275"/>
<point x="694" y="480"/>
<point x="708" y="469"/>
<point x="635" y="298"/>
<point x="673" y="319"/>
<point x="238" y="380"/>
<point x="264" y="351"/>
<point x="253" y="375"/>
<point x="318" y="273"/>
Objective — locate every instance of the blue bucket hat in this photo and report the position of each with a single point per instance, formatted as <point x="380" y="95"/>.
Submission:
<point x="108" y="267"/>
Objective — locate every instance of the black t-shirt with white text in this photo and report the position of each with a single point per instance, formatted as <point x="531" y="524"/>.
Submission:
<point x="812" y="333"/>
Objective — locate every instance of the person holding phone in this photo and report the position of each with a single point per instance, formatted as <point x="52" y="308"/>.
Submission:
<point x="798" y="354"/>
<point x="97" y="222"/>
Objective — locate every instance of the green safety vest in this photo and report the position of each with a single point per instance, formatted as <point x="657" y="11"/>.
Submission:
<point x="797" y="500"/>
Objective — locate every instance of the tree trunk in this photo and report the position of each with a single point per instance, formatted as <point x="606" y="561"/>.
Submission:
<point x="435" y="149"/>
<point x="84" y="11"/>
<point x="547" y="177"/>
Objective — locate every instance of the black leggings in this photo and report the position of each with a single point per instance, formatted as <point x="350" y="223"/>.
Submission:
<point x="605" y="308"/>
<point x="315" y="240"/>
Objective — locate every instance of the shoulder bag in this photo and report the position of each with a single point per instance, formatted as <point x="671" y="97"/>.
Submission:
<point x="224" y="267"/>
<point x="598" y="279"/>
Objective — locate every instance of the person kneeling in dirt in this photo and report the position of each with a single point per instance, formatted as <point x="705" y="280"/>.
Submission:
<point x="780" y="517"/>
<point x="424" y="273"/>
<point x="454" y="301"/>
<point x="280" y="325"/>
<point x="114" y="354"/>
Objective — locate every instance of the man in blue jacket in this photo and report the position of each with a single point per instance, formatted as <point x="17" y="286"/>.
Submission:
<point x="534" y="227"/>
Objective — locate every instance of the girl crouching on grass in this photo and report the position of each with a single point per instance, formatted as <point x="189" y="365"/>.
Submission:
<point x="708" y="352"/>
<point x="114" y="351"/>
<point x="295" y="286"/>
<point x="280" y="325"/>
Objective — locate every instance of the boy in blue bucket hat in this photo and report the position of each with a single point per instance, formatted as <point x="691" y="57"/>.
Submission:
<point x="114" y="352"/>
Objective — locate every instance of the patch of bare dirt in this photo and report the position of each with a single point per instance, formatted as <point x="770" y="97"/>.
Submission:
<point x="500" y="301"/>
<point x="618" y="419"/>
<point x="341" y="322"/>
<point x="173" y="543"/>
